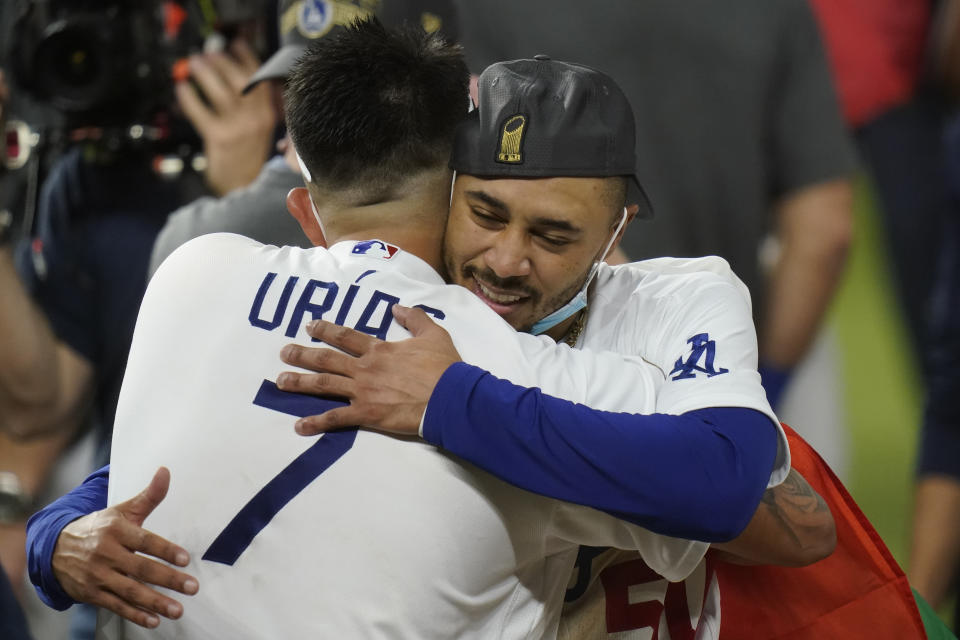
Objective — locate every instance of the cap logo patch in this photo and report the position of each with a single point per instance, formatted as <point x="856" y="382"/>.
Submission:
<point x="511" y="139"/>
<point x="315" y="18"/>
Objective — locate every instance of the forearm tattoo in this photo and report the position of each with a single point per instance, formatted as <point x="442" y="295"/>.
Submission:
<point x="796" y="506"/>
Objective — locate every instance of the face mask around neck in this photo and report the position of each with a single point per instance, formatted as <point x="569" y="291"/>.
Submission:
<point x="579" y="301"/>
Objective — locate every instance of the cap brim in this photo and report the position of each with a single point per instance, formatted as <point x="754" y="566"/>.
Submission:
<point x="637" y="195"/>
<point x="277" y="67"/>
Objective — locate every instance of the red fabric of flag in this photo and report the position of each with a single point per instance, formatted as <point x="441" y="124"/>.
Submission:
<point x="859" y="592"/>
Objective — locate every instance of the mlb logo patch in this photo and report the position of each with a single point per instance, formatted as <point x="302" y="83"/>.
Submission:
<point x="375" y="249"/>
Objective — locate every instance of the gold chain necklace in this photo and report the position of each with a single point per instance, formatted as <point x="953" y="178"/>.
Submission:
<point x="574" y="334"/>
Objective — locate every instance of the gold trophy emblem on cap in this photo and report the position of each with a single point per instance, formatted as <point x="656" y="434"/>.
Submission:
<point x="511" y="138"/>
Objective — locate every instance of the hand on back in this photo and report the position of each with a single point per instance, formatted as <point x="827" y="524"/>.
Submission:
<point x="106" y="559"/>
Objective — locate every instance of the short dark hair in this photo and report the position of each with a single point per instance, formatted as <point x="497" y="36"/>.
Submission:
<point x="372" y="106"/>
<point x="615" y="194"/>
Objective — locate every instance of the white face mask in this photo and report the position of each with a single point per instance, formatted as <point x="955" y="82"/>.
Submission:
<point x="578" y="301"/>
<point x="308" y="178"/>
<point x="303" y="167"/>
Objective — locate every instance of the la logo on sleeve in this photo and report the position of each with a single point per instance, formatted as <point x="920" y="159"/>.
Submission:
<point x="704" y="350"/>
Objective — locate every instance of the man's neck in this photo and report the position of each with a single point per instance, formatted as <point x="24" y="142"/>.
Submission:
<point x="559" y="331"/>
<point x="570" y="329"/>
<point x="414" y="218"/>
<point x="423" y="241"/>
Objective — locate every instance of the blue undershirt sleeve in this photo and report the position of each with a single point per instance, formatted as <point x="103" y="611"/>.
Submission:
<point x="699" y="475"/>
<point x="44" y="528"/>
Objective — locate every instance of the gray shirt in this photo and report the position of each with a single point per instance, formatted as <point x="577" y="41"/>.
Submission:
<point x="258" y="211"/>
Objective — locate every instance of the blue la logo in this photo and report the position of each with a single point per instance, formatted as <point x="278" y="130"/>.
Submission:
<point x="703" y="348"/>
<point x="315" y="18"/>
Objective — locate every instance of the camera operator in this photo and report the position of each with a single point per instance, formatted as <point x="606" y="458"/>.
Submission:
<point x="70" y="292"/>
<point x="237" y="129"/>
<point x="85" y="266"/>
<point x="258" y="210"/>
<point x="63" y="345"/>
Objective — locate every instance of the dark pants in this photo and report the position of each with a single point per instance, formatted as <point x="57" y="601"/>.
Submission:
<point x="904" y="151"/>
<point x="13" y="624"/>
<point x="940" y="436"/>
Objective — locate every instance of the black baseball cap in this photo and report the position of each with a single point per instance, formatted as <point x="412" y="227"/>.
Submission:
<point x="302" y="21"/>
<point x="544" y="118"/>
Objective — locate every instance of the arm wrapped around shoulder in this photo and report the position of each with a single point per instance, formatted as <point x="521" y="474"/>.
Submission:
<point x="699" y="475"/>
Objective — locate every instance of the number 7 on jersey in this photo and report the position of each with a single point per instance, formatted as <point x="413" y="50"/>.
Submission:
<point x="260" y="510"/>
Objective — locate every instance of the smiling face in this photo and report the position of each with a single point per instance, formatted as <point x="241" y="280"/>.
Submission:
<point x="526" y="246"/>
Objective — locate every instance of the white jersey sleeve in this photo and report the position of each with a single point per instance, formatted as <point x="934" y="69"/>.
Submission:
<point x="690" y="319"/>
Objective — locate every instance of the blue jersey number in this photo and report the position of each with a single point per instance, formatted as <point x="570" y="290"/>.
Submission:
<point x="258" y="512"/>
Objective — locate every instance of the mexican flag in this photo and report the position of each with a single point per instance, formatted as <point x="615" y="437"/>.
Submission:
<point x="858" y="593"/>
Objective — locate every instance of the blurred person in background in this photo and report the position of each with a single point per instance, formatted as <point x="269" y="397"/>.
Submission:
<point x="85" y="263"/>
<point x="112" y="162"/>
<point x="935" y="540"/>
<point x="258" y="210"/>
<point x="932" y="186"/>
<point x="739" y="136"/>
<point x="13" y="623"/>
<point x="896" y="65"/>
<point x="878" y="54"/>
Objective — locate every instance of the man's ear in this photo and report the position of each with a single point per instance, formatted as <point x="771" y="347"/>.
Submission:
<point x="616" y="255"/>
<point x="301" y="208"/>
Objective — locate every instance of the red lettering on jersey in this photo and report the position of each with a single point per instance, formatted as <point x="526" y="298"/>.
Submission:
<point x="622" y="615"/>
<point x="678" y="612"/>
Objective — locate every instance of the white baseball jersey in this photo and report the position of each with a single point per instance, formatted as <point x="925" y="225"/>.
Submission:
<point x="352" y="534"/>
<point x="691" y="319"/>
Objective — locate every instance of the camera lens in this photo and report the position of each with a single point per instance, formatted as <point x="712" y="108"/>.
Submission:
<point x="73" y="66"/>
